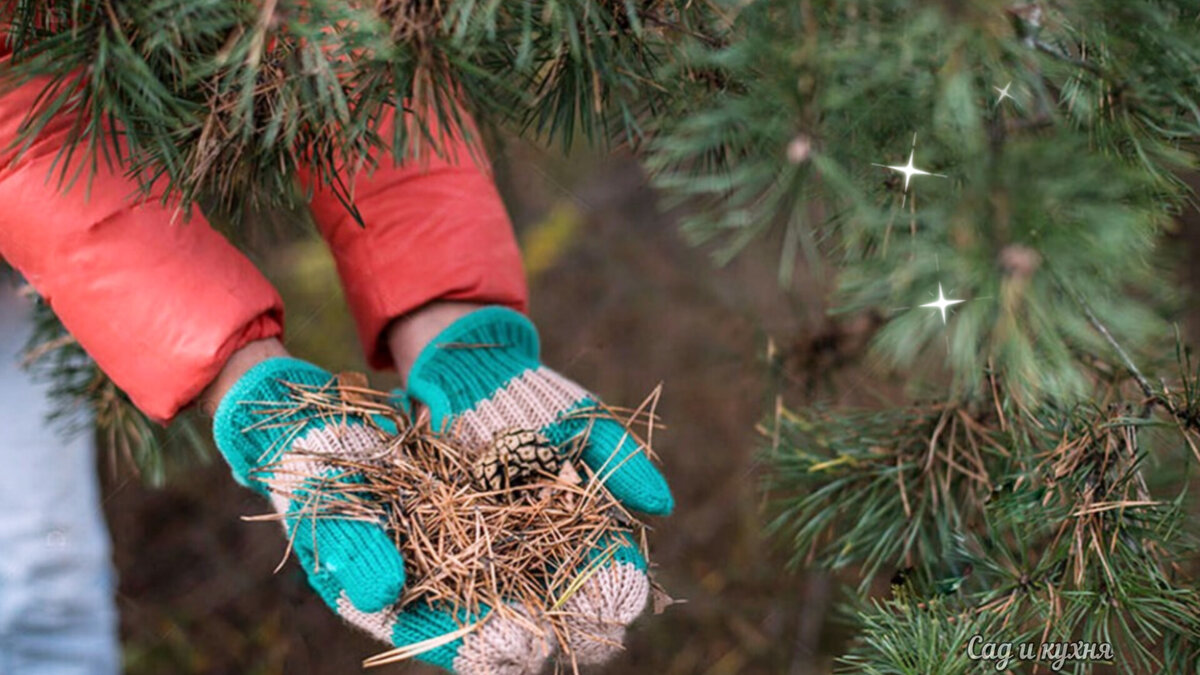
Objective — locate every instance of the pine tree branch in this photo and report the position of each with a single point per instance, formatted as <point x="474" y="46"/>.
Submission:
<point x="1128" y="362"/>
<point x="224" y="101"/>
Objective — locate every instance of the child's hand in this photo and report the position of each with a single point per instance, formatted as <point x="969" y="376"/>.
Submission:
<point x="482" y="375"/>
<point x="275" y="448"/>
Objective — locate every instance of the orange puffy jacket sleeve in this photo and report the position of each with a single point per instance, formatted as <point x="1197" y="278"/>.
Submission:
<point x="157" y="300"/>
<point x="160" y="302"/>
<point x="433" y="228"/>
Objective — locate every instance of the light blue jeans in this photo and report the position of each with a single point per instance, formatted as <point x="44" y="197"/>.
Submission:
<point x="57" y="615"/>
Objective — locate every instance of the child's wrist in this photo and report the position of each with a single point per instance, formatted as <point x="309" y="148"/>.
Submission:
<point x="408" y="335"/>
<point x="237" y="365"/>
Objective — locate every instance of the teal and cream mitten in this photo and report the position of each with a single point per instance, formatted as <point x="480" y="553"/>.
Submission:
<point x="275" y="447"/>
<point x="482" y="376"/>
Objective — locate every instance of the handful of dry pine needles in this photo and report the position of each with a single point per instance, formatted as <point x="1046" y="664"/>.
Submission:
<point x="470" y="536"/>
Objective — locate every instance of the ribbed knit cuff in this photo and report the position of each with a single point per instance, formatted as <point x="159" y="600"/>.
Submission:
<point x="421" y="622"/>
<point x="471" y="359"/>
<point x="252" y="424"/>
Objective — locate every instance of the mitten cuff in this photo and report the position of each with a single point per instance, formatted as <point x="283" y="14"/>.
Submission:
<point x="252" y="424"/>
<point x="471" y="359"/>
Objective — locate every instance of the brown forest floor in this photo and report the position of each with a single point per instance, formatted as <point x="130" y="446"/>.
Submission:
<point x="623" y="303"/>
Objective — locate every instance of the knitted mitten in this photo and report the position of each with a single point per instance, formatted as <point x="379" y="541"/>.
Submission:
<point x="275" y="448"/>
<point x="483" y="375"/>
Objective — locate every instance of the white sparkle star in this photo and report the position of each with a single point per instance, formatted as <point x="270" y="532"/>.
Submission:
<point x="942" y="303"/>
<point x="1003" y="93"/>
<point x="908" y="169"/>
